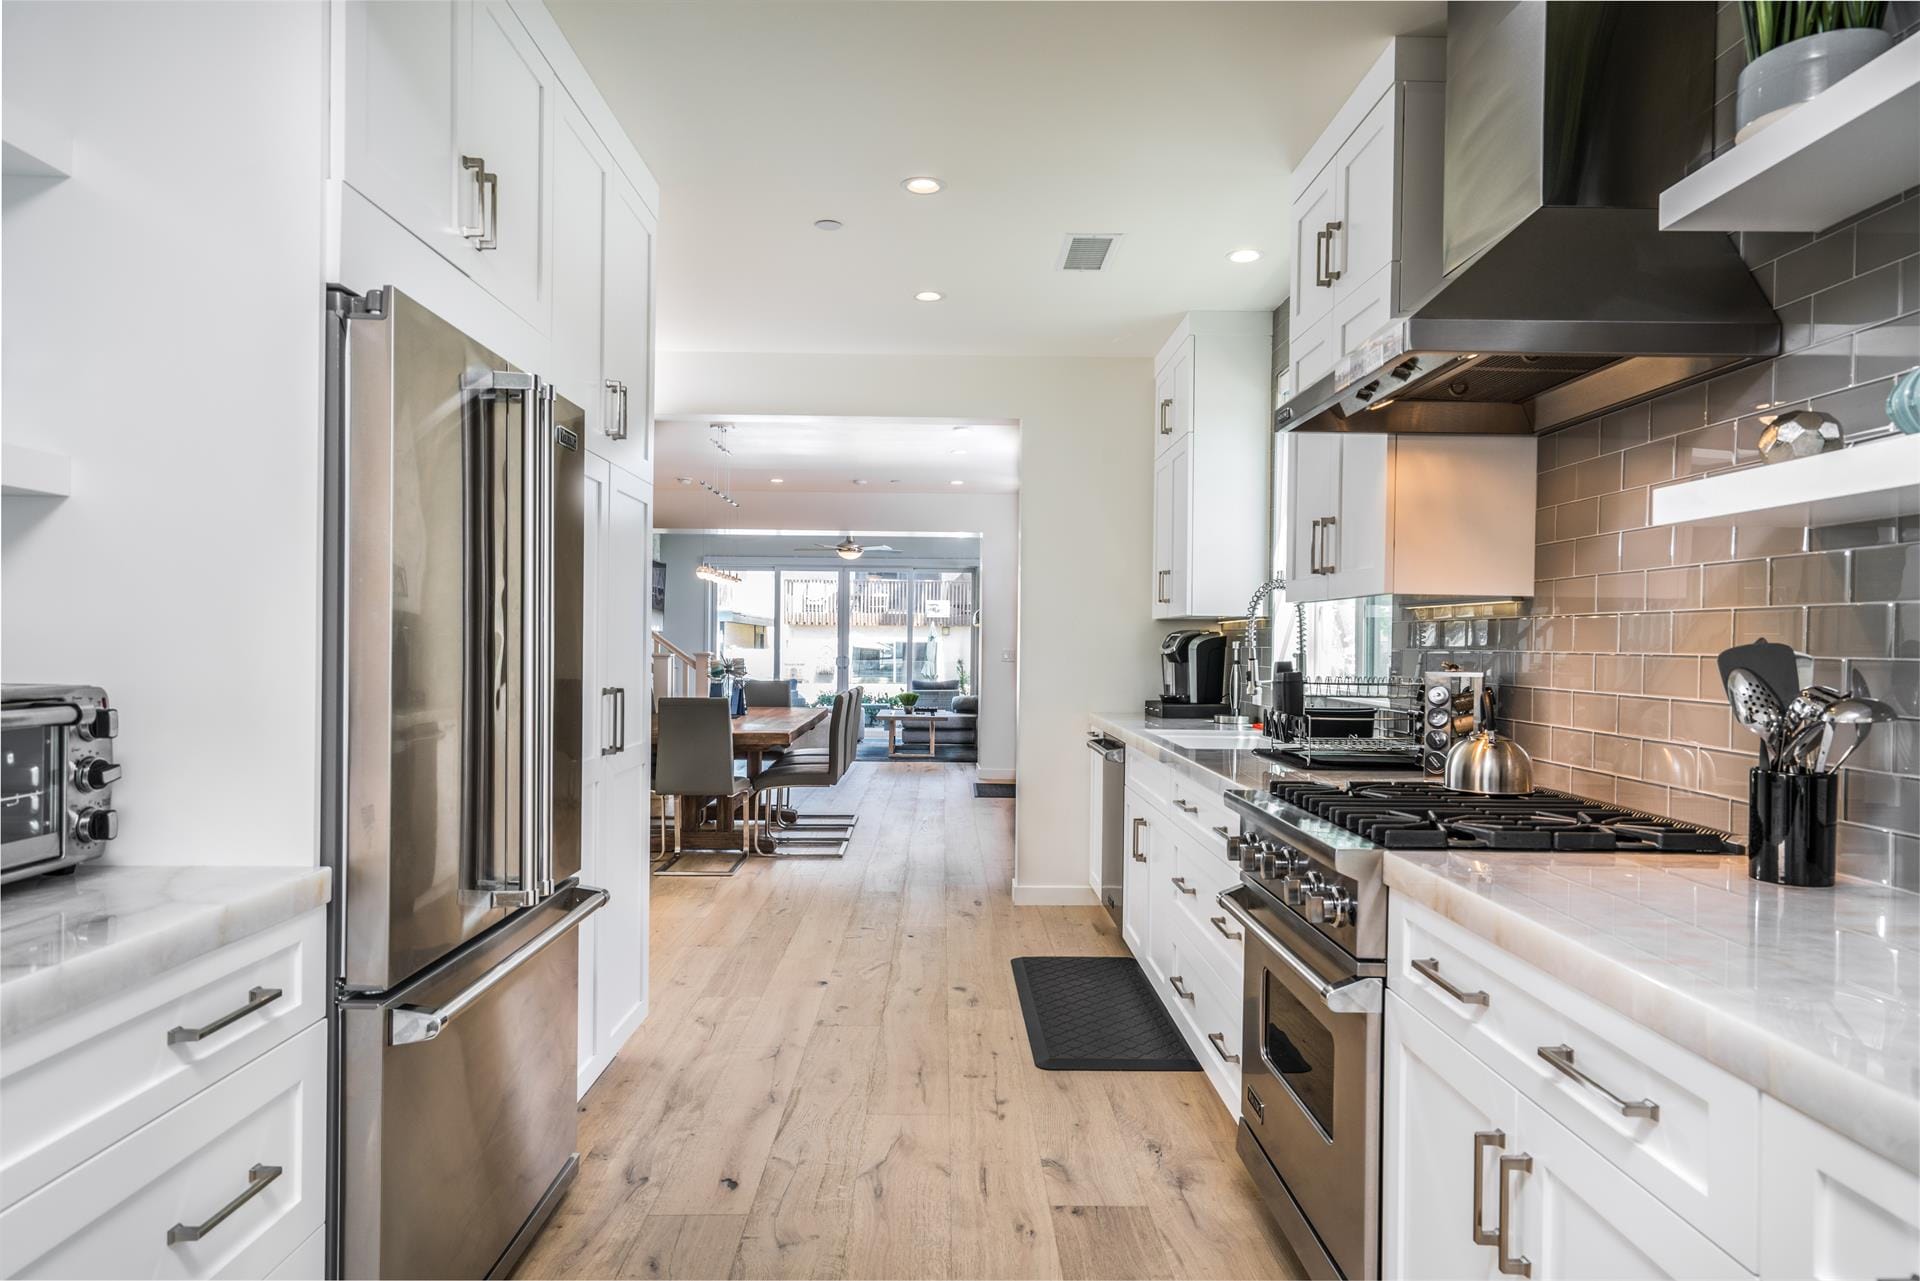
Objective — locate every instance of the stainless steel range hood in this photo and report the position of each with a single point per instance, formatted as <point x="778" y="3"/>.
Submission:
<point x="1563" y="298"/>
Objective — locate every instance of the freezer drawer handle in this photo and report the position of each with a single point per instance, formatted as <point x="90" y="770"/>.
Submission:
<point x="411" y="1024"/>
<point x="257" y="998"/>
<point x="257" y="1179"/>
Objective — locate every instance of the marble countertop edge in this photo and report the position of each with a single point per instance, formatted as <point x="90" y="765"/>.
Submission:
<point x="1871" y="1112"/>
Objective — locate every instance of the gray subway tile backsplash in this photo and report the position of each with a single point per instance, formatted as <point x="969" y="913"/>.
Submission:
<point x="1617" y="691"/>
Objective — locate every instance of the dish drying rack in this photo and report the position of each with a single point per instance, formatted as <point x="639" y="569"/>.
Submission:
<point x="1395" y="740"/>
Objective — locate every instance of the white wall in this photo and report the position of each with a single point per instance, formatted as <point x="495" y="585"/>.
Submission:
<point x="162" y="318"/>
<point x="1085" y="636"/>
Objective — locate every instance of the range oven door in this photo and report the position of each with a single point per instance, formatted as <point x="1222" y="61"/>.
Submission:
<point x="1310" y="1067"/>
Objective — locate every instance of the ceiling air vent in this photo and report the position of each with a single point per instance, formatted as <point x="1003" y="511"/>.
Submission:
<point x="1086" y="252"/>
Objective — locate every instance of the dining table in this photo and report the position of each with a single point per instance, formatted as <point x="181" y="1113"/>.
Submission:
<point x="755" y="733"/>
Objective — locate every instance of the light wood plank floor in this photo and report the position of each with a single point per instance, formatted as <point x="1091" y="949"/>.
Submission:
<point x="834" y="1081"/>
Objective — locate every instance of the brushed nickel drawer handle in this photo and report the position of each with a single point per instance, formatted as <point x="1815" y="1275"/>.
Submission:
<point x="1503" y="1238"/>
<point x="1561" y="1057"/>
<point x="1185" y="808"/>
<point x="1160" y="587"/>
<point x="1220" y="923"/>
<point x="1180" y="883"/>
<point x="1482" y="1140"/>
<point x="1166" y="429"/>
<point x="257" y="998"/>
<point x="1180" y="987"/>
<point x="1139" y="824"/>
<point x="257" y="1179"/>
<point x="1220" y="1047"/>
<point x="1223" y="833"/>
<point x="1429" y="969"/>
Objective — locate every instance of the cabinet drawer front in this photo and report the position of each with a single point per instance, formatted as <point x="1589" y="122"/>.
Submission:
<point x="85" y="1082"/>
<point x="1152" y="779"/>
<point x="1205" y="809"/>
<point x="1220" y="936"/>
<point x="1362" y="309"/>
<point x="1210" y="1016"/>
<point x="113" y="1215"/>
<point x="1698" y="1154"/>
<point x="1830" y="1208"/>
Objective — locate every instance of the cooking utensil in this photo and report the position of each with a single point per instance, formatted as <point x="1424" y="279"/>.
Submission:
<point x="1488" y="763"/>
<point x="1775" y="664"/>
<point x="1849" y="721"/>
<point x="1757" y="709"/>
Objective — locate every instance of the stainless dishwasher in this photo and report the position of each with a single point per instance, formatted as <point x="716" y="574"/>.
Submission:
<point x="1106" y="819"/>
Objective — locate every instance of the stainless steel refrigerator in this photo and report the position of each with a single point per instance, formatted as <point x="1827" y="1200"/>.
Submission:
<point x="452" y="792"/>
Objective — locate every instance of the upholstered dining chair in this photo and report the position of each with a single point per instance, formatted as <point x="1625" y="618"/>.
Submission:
<point x="771" y="785"/>
<point x="696" y="763"/>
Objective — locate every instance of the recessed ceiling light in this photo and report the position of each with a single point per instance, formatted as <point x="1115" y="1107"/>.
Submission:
<point x="1244" y="255"/>
<point x="684" y="480"/>
<point x="956" y="482"/>
<point x="957" y="453"/>
<point x="923" y="186"/>
<point x="779" y="480"/>
<point x="928" y="295"/>
<point x="858" y="481"/>
<point x="827" y="224"/>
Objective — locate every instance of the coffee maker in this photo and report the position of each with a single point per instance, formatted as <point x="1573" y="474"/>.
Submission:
<point x="1193" y="676"/>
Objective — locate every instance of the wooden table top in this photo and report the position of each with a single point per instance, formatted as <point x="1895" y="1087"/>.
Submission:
<point x="764" y="727"/>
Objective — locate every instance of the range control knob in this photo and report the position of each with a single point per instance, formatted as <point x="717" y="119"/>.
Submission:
<point x="95" y="824"/>
<point x="1297" y="890"/>
<point x="1331" y="905"/>
<point x="91" y="773"/>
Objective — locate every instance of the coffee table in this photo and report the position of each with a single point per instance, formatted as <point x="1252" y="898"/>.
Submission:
<point x="893" y="721"/>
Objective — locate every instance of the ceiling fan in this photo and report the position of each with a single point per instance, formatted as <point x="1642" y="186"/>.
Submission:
<point x="847" y="548"/>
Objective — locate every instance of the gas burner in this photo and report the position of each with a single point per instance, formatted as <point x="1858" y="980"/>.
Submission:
<point x="1409" y="816"/>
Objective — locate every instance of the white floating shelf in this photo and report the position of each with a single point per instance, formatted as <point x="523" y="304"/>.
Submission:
<point x="1848" y="149"/>
<point x="31" y="148"/>
<point x="1871" y="481"/>
<point x="26" y="472"/>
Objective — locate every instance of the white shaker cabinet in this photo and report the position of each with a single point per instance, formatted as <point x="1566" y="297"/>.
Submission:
<point x="1364" y="218"/>
<point x="1213" y="379"/>
<point x="628" y="439"/>
<point x="580" y="182"/>
<point x="504" y="106"/>
<point x="1830" y="1209"/>
<point x="616" y="728"/>
<point x="1370" y="514"/>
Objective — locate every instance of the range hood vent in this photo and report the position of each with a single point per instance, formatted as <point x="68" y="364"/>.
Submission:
<point x="1563" y="299"/>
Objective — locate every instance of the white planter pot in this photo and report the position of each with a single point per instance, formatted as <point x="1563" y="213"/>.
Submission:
<point x="1783" y="80"/>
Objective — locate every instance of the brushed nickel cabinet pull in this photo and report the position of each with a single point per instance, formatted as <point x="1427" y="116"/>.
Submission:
<point x="1333" y="229"/>
<point x="1482" y="1140"/>
<point x="1220" y="923"/>
<point x="257" y="1179"/>
<point x="1511" y="1265"/>
<point x="1139" y="824"/>
<point x="1561" y="1057"/>
<point x="1180" y="883"/>
<point x="1429" y="969"/>
<point x="1180" y="987"/>
<point x="1160" y="587"/>
<point x="1220" y="1047"/>
<point x="1185" y="808"/>
<point x="1166" y="428"/>
<point x="257" y="998"/>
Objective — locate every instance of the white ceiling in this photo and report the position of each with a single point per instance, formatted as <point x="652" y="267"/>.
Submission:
<point x="828" y="455"/>
<point x="1173" y="123"/>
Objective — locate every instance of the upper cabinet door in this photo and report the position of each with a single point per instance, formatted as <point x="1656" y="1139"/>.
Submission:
<point x="629" y="332"/>
<point x="1313" y="499"/>
<point x="1354" y="548"/>
<point x="1314" y="212"/>
<point x="399" y="149"/>
<point x="504" y="121"/>
<point x="1162" y="537"/>
<point x="1363" y="171"/>
<point x="579" y="258"/>
<point x="1173" y="397"/>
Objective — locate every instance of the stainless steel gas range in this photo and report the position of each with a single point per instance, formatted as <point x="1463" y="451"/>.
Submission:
<point x="1312" y="903"/>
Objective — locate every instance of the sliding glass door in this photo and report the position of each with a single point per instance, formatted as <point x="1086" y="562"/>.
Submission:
<point x="882" y="629"/>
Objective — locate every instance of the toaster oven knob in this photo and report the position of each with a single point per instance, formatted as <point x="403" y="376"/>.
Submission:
<point x="104" y="723"/>
<point x="91" y="773"/>
<point x="91" y="826"/>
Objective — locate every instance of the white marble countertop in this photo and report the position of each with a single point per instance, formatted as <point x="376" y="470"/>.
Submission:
<point x="68" y="941"/>
<point x="1215" y="766"/>
<point x="1811" y="995"/>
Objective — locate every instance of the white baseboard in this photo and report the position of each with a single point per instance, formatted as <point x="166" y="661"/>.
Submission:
<point x="1054" y="895"/>
<point x="994" y="775"/>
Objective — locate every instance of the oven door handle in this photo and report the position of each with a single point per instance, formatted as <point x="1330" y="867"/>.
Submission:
<point x="1358" y="995"/>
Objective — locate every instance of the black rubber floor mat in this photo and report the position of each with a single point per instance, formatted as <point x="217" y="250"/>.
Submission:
<point x="993" y="791"/>
<point x="1096" y="1014"/>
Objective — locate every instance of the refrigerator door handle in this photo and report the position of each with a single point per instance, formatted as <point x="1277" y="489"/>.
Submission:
<point x="411" y="1024"/>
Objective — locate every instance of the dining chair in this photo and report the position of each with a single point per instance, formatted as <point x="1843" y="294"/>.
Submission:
<point x="696" y="761"/>
<point x="785" y="818"/>
<point x="768" y="694"/>
<point x="771" y="785"/>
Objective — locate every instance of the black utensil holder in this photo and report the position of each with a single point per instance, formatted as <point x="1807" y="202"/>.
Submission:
<point x="1792" y="819"/>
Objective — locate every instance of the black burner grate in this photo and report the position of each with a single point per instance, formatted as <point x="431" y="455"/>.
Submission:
<point x="1408" y="815"/>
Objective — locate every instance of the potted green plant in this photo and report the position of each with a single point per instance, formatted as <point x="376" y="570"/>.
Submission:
<point x="1796" y="49"/>
<point x="906" y="700"/>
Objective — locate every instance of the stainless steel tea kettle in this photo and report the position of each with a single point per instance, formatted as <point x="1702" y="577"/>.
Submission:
<point x="1487" y="763"/>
